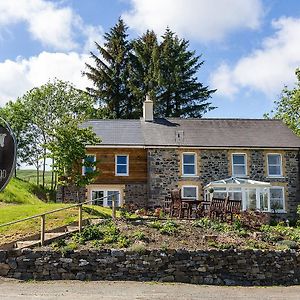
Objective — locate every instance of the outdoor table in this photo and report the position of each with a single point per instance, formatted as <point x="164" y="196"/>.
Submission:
<point x="201" y="206"/>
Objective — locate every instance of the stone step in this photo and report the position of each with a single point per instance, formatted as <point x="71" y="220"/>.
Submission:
<point x="26" y="244"/>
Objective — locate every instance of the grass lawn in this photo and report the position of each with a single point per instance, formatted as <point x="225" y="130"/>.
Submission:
<point x="10" y="213"/>
<point x="19" y="192"/>
<point x="30" y="176"/>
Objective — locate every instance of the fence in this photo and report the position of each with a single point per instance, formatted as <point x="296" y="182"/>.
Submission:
<point x="79" y="205"/>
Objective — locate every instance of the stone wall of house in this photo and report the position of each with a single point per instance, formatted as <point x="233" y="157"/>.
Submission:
<point x="219" y="267"/>
<point x="214" y="165"/>
<point x="293" y="181"/>
<point x="163" y="174"/>
<point x="136" y="194"/>
<point x="68" y="194"/>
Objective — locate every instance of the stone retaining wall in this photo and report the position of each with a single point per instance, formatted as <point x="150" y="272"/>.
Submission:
<point x="219" y="267"/>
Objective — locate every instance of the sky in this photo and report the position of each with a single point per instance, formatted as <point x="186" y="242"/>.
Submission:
<point x="251" y="48"/>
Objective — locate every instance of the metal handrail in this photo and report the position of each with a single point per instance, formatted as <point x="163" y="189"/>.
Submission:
<point x="43" y="215"/>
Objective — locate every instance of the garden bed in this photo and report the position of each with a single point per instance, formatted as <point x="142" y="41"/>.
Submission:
<point x="203" y="234"/>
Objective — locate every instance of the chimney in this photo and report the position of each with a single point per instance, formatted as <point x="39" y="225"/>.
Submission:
<point x="148" y="109"/>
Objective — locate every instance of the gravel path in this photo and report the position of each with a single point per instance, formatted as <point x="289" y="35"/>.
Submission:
<point x="12" y="289"/>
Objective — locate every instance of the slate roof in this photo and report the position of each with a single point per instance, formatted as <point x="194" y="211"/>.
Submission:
<point x="259" y="133"/>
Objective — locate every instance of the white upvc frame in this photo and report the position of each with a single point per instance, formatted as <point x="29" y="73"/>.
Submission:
<point x="269" y="175"/>
<point x="95" y="159"/>
<point x="195" y="164"/>
<point x="127" y="165"/>
<point x="232" y="165"/>
<point x="105" y="191"/>
<point x="283" y="210"/>
<point x="189" y="186"/>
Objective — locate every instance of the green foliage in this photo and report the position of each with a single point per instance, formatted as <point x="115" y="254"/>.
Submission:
<point x="287" y="108"/>
<point x="125" y="71"/>
<point x="169" y="228"/>
<point x="155" y="224"/>
<point x="89" y="233"/>
<point x="138" y="248"/>
<point x="139" y="236"/>
<point x="212" y="224"/>
<point x="123" y="241"/>
<point x="288" y="244"/>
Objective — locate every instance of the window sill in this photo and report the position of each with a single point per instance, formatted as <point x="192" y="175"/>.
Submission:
<point x="189" y="176"/>
<point x="274" y="177"/>
<point x="122" y="175"/>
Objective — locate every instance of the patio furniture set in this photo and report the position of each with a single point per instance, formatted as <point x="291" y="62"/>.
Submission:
<point x="217" y="208"/>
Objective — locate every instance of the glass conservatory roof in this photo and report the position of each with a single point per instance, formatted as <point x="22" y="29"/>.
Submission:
<point x="234" y="181"/>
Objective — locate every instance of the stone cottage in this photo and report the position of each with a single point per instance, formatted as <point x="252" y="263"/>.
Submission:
<point x="253" y="160"/>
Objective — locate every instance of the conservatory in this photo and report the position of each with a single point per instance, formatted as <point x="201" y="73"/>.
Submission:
<point x="255" y="195"/>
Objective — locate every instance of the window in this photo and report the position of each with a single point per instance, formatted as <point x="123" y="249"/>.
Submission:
<point x="89" y="161"/>
<point x="104" y="197"/>
<point x="188" y="164"/>
<point x="122" y="165"/>
<point x="239" y="165"/>
<point x="190" y="192"/>
<point x="277" y="198"/>
<point x="274" y="165"/>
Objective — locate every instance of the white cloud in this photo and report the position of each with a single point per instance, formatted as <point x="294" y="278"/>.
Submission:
<point x="47" y="22"/>
<point x="202" y="20"/>
<point x="266" y="69"/>
<point x="17" y="77"/>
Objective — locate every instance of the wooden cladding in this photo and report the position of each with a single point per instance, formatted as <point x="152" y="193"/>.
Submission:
<point x="106" y="165"/>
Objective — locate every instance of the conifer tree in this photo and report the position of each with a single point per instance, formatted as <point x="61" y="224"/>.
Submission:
<point x="180" y="92"/>
<point x="110" y="73"/>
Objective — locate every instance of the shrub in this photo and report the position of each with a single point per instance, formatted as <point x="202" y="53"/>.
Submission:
<point x="139" y="236"/>
<point x="155" y="224"/>
<point x="123" y="241"/>
<point x="288" y="244"/>
<point x="138" y="248"/>
<point x="212" y="224"/>
<point x="169" y="228"/>
<point x="253" y="219"/>
<point x="89" y="233"/>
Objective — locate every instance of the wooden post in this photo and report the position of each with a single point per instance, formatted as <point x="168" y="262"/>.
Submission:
<point x="113" y="207"/>
<point x="43" y="218"/>
<point x="79" y="217"/>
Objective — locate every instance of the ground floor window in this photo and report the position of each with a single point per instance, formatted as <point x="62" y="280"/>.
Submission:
<point x="189" y="192"/>
<point x="104" y="197"/>
<point x="277" y="198"/>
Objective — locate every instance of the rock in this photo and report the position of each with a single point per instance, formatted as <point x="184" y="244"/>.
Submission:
<point x="169" y="278"/>
<point x="4" y="269"/>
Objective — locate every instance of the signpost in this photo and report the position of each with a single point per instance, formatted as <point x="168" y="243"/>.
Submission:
<point x="8" y="151"/>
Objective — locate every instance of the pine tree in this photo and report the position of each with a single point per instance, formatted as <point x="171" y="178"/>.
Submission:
<point x="110" y="73"/>
<point x="144" y="69"/>
<point x="180" y="93"/>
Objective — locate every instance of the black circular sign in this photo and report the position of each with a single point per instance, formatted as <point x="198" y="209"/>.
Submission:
<point x="7" y="155"/>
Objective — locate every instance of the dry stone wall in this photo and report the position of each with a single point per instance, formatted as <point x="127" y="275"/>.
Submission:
<point x="219" y="267"/>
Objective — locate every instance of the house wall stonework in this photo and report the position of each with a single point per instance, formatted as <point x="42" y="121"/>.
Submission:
<point x="137" y="194"/>
<point x="164" y="172"/>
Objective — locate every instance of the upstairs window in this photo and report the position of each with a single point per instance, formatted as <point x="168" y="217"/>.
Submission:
<point x="239" y="165"/>
<point x="122" y="165"/>
<point x="274" y="165"/>
<point x="89" y="161"/>
<point x="188" y="164"/>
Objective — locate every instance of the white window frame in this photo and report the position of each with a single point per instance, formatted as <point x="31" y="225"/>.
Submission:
<point x="195" y="164"/>
<point x="232" y="165"/>
<point x="105" y="192"/>
<point x="83" y="167"/>
<point x="270" y="175"/>
<point x="283" y="210"/>
<point x="116" y="165"/>
<point x="189" y="186"/>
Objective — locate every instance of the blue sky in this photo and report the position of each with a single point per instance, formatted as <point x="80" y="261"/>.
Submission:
<point x="251" y="48"/>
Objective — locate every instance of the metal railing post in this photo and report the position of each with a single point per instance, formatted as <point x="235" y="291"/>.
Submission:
<point x="79" y="217"/>
<point x="43" y="219"/>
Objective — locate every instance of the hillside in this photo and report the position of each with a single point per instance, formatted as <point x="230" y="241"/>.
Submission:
<point x="19" y="192"/>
